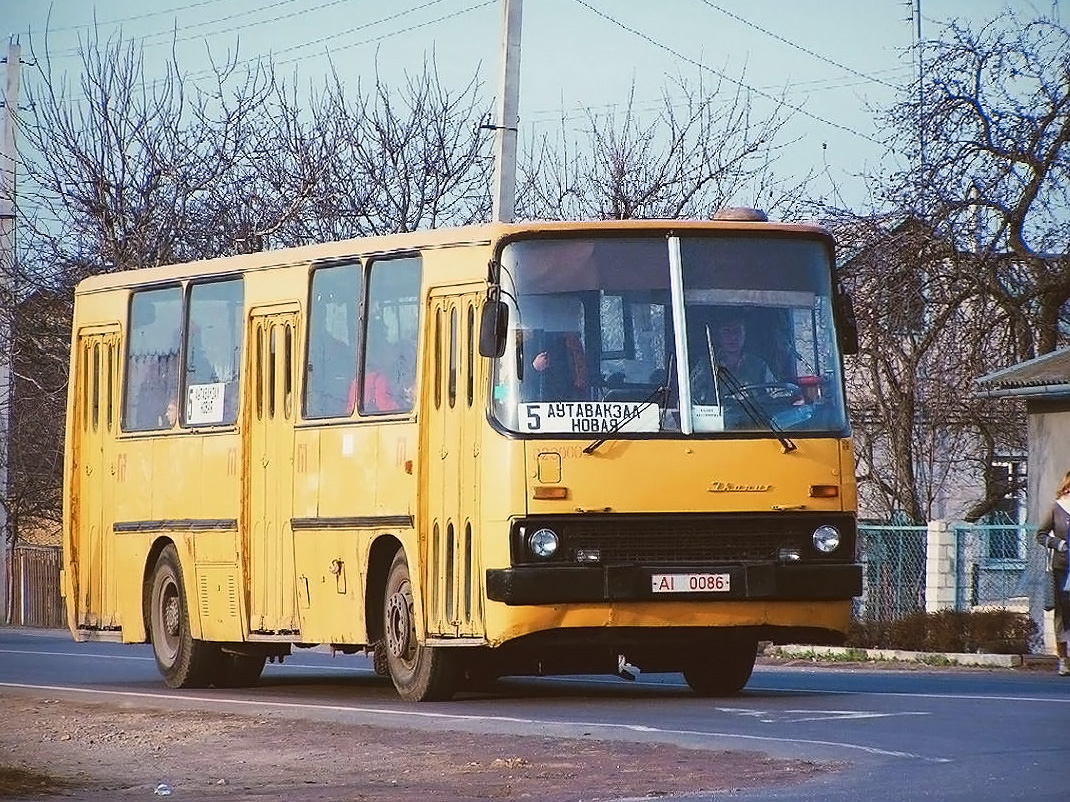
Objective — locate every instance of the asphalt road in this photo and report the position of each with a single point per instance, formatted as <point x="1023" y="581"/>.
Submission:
<point x="947" y="734"/>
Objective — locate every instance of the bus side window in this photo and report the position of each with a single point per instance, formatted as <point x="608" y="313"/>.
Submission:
<point x="331" y="359"/>
<point x="213" y="350"/>
<point x="152" y="358"/>
<point x="391" y="335"/>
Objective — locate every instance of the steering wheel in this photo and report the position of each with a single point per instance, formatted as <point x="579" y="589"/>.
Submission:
<point x="775" y="390"/>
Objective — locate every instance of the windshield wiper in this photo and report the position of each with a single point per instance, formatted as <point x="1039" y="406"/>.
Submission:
<point x="661" y="390"/>
<point x="738" y="392"/>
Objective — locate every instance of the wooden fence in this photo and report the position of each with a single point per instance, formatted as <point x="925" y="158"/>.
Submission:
<point x="35" y="591"/>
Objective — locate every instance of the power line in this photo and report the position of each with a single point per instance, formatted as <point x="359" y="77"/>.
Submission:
<point x="545" y="115"/>
<point x="390" y="18"/>
<point x="321" y="40"/>
<point x="798" y="47"/>
<point x="146" y="15"/>
<point x="723" y="76"/>
<point x="383" y="37"/>
<point x="216" y="21"/>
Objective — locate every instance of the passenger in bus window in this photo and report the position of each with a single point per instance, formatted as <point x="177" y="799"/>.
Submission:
<point x="332" y="371"/>
<point x="379" y="396"/>
<point x="170" y="415"/>
<point x="560" y="365"/>
<point x="382" y="361"/>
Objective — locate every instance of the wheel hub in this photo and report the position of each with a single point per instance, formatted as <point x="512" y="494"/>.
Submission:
<point x="171" y="615"/>
<point x="398" y="624"/>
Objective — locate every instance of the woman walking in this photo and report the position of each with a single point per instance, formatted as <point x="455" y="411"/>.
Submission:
<point x="1052" y="534"/>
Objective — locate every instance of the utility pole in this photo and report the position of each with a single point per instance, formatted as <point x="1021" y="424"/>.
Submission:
<point x="921" y="87"/>
<point x="7" y="295"/>
<point x="507" y="108"/>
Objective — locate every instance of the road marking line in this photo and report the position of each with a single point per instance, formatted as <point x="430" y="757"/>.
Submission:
<point x="422" y="714"/>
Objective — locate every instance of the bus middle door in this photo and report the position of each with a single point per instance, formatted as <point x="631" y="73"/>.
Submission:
<point x="269" y="547"/>
<point x="453" y="411"/>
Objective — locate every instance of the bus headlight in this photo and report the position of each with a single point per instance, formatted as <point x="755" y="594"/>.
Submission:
<point x="543" y="543"/>
<point x="826" y="539"/>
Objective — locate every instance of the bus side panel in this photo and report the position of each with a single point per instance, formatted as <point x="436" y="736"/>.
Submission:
<point x="333" y="481"/>
<point x="213" y="487"/>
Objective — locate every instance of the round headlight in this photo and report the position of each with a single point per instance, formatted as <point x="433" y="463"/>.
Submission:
<point x="543" y="542"/>
<point x="826" y="539"/>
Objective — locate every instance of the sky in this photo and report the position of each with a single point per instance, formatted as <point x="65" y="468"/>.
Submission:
<point x="835" y="61"/>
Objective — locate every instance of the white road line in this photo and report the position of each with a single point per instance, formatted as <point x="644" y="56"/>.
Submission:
<point x="431" y="715"/>
<point x="275" y="667"/>
<point x="792" y="716"/>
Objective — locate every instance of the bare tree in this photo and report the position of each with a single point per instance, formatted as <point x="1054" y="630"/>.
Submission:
<point x="398" y="160"/>
<point x="703" y="150"/>
<point x="969" y="272"/>
<point x="124" y="172"/>
<point x="142" y="172"/>
<point x="993" y="170"/>
<point x="919" y="430"/>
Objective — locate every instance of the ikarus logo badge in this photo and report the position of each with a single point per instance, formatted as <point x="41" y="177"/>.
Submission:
<point x="738" y="487"/>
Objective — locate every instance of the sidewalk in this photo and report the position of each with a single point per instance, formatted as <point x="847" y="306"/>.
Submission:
<point x="844" y="654"/>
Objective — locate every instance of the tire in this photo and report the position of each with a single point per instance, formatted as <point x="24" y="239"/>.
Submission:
<point x="382" y="669"/>
<point x="183" y="661"/>
<point x="724" y="667"/>
<point x="420" y="673"/>
<point x="238" y="670"/>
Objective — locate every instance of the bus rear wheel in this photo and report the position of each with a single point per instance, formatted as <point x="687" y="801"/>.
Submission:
<point x="420" y="673"/>
<point x="723" y="666"/>
<point x="184" y="661"/>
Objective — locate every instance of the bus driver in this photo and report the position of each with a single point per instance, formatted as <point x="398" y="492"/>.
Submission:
<point x="743" y="369"/>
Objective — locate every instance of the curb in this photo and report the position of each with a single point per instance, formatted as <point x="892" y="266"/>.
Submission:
<point x="849" y="654"/>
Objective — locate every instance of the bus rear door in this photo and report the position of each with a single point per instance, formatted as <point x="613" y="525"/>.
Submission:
<point x="92" y="541"/>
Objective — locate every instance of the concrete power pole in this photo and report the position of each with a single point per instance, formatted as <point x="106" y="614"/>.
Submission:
<point x="7" y="273"/>
<point x="508" y="113"/>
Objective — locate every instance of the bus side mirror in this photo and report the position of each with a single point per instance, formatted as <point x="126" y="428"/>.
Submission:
<point x="846" y="325"/>
<point x="493" y="328"/>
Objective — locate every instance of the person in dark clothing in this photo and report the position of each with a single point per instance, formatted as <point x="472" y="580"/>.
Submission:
<point x="1052" y="534"/>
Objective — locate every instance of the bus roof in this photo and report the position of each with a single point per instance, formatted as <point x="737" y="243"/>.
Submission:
<point x="447" y="237"/>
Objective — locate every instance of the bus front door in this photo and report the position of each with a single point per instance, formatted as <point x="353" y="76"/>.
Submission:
<point x="453" y="410"/>
<point x="91" y="548"/>
<point x="268" y="547"/>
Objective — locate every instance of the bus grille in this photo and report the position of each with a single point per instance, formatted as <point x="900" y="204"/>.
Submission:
<point x="695" y="539"/>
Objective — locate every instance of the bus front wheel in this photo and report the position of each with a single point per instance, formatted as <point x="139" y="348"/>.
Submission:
<point x="184" y="661"/>
<point x="420" y="673"/>
<point x="723" y="667"/>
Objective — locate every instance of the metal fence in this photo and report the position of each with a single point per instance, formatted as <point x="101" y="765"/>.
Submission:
<point x="990" y="568"/>
<point x="35" y="591"/>
<point x="893" y="571"/>
<point x="992" y="562"/>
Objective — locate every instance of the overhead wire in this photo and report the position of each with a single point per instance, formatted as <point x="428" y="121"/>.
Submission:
<point x="726" y="77"/>
<point x="146" y="15"/>
<point x="348" y="31"/>
<point x="797" y="46"/>
<point x="171" y="34"/>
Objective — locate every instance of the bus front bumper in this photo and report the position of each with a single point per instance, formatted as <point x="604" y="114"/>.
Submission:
<point x="563" y="584"/>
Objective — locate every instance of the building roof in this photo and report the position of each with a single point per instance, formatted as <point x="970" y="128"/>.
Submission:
<point x="1046" y="376"/>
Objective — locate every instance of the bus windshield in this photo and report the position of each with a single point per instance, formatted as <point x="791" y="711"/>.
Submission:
<point x="599" y="328"/>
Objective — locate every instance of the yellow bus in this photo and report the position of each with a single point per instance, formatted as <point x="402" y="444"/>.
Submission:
<point x="468" y="453"/>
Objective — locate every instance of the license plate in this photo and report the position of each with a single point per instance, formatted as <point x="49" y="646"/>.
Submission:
<point x="690" y="583"/>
